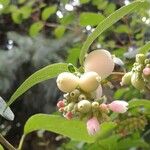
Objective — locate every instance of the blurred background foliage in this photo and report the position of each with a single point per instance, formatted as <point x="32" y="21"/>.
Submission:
<point x="35" y="33"/>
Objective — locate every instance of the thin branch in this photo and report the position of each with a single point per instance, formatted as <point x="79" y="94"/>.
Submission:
<point x="21" y="142"/>
<point x="118" y="73"/>
<point x="4" y="142"/>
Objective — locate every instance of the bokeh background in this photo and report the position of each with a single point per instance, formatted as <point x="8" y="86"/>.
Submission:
<point x="35" y="33"/>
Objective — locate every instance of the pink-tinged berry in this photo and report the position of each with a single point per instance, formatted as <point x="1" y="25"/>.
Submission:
<point x="69" y="115"/>
<point x="99" y="61"/>
<point x="118" y="106"/>
<point x="146" y="71"/>
<point x="60" y="104"/>
<point x="93" y="126"/>
<point x="104" y="107"/>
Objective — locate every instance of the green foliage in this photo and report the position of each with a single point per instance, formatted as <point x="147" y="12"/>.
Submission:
<point x="144" y="49"/>
<point x="35" y="28"/>
<point x="59" y="31"/>
<point x="105" y="24"/>
<point x="89" y="18"/>
<point x="48" y="11"/>
<point x="1" y="147"/>
<point x="74" y="129"/>
<point x="43" y="74"/>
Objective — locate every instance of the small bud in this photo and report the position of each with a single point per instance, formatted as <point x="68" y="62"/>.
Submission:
<point x="69" y="115"/>
<point x="137" y="81"/>
<point x="95" y="105"/>
<point x="70" y="106"/>
<point x="75" y="93"/>
<point x="82" y="97"/>
<point x="84" y="106"/>
<point x="61" y="109"/>
<point x="146" y="71"/>
<point x="60" y="104"/>
<point x="126" y="79"/>
<point x="140" y="58"/>
<point x="99" y="61"/>
<point x="118" y="106"/>
<point x="147" y="61"/>
<point x="104" y="108"/>
<point x="93" y="126"/>
<point x="88" y="81"/>
<point x="67" y="81"/>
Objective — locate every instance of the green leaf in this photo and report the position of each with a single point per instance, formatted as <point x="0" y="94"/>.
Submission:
<point x="43" y="74"/>
<point x="84" y="1"/>
<point x="139" y="102"/>
<point x="89" y="18"/>
<point x="17" y="16"/>
<point x="4" y="2"/>
<point x="26" y="12"/>
<point x="35" y="28"/>
<point x="144" y="49"/>
<point x="59" y="31"/>
<point x="74" y="129"/>
<point x="123" y="29"/>
<point x="48" y="11"/>
<point x="1" y="147"/>
<point x="105" y="24"/>
<point x="67" y="19"/>
<point x="73" y="55"/>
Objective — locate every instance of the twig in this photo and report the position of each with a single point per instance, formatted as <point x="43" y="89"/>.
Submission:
<point x="21" y="142"/>
<point x="118" y="73"/>
<point x="4" y="142"/>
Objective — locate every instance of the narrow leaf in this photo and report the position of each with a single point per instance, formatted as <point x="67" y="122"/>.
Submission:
<point x="144" y="49"/>
<point x="74" y="129"/>
<point x="43" y="74"/>
<point x="139" y="102"/>
<point x="105" y="24"/>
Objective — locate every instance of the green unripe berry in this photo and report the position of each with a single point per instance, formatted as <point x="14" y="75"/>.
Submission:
<point x="89" y="81"/>
<point x="137" y="81"/>
<point x="126" y="79"/>
<point x="84" y="106"/>
<point x="70" y="106"/>
<point x="95" y="105"/>
<point x="82" y="97"/>
<point x="147" y="61"/>
<point x="67" y="82"/>
<point x="74" y="94"/>
<point x="140" y="58"/>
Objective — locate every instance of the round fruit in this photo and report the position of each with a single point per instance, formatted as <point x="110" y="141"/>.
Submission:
<point x="84" y="106"/>
<point x="67" y="82"/>
<point x="126" y="79"/>
<point x="99" y="61"/>
<point x="89" y="81"/>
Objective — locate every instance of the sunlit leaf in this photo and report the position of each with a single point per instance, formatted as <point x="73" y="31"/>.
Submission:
<point x="105" y="24"/>
<point x="48" y="11"/>
<point x="89" y="18"/>
<point x="43" y="74"/>
<point x="35" y="28"/>
<point x="74" y="129"/>
<point x="144" y="49"/>
<point x="59" y="31"/>
<point x="1" y="147"/>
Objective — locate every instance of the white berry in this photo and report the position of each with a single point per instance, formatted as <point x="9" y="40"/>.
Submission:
<point x="99" y="61"/>
<point x="67" y="82"/>
<point x="89" y="81"/>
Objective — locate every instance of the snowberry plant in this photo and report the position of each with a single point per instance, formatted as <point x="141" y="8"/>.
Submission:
<point x="85" y="113"/>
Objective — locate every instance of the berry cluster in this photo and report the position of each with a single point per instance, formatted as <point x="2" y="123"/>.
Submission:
<point x="139" y="76"/>
<point x="83" y="92"/>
